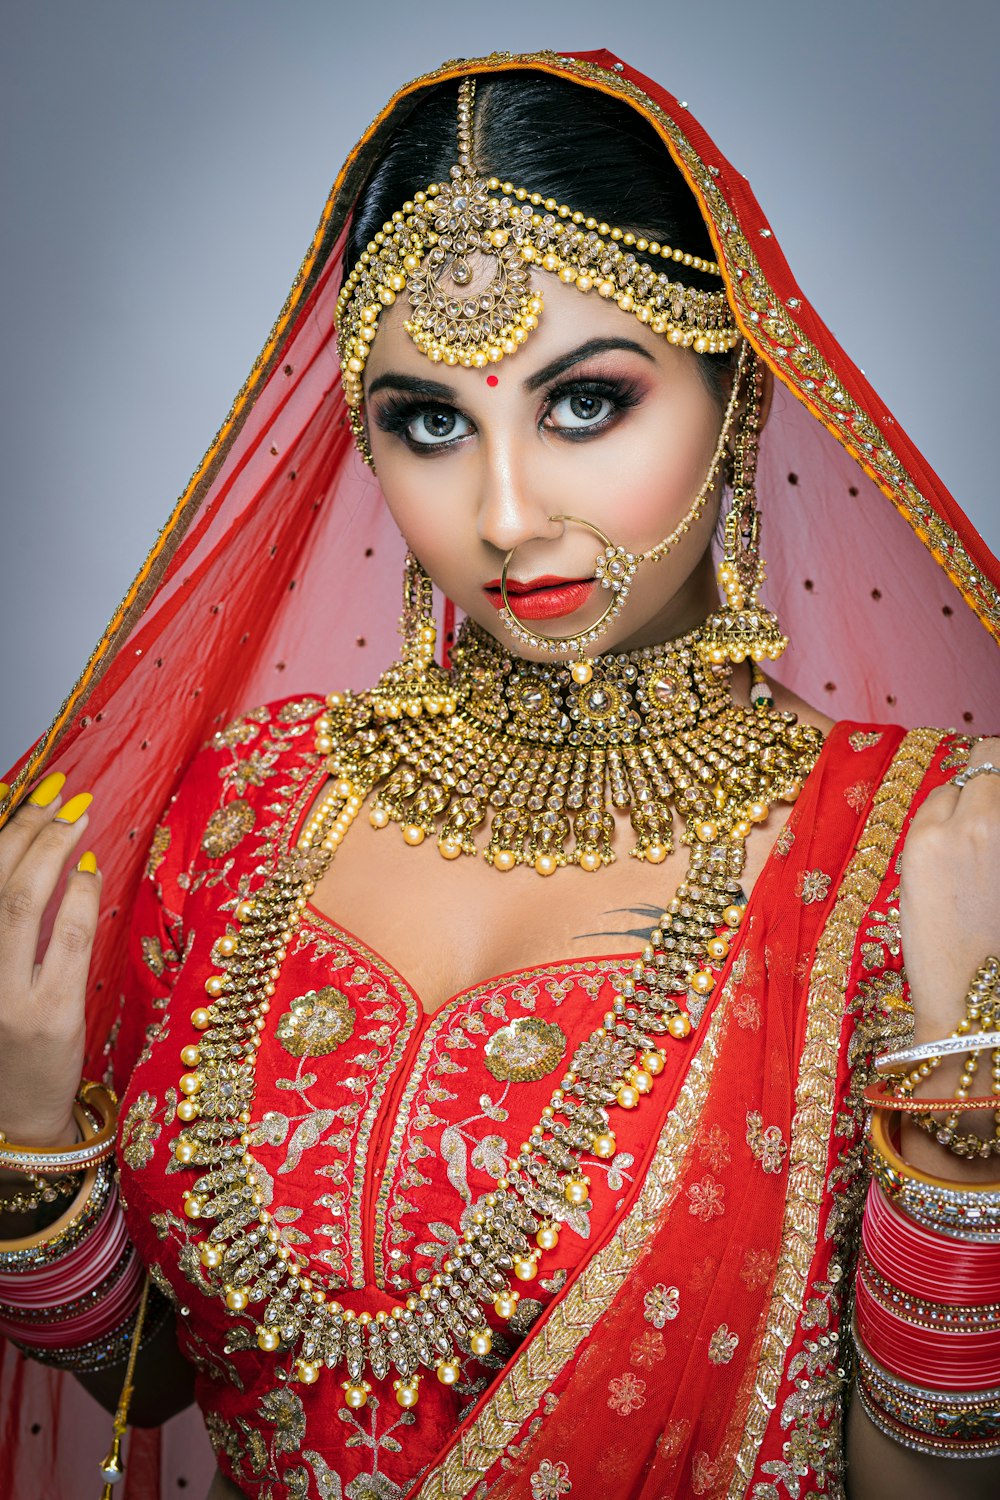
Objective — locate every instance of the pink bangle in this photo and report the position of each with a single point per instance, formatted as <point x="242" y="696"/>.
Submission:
<point x="79" y="1297"/>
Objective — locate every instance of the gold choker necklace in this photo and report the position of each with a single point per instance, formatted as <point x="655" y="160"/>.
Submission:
<point x="654" y="731"/>
<point x="658" y="733"/>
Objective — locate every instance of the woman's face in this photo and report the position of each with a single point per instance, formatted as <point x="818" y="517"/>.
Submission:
<point x="595" y="416"/>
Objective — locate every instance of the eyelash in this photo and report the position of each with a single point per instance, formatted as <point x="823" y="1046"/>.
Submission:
<point x="395" y="414"/>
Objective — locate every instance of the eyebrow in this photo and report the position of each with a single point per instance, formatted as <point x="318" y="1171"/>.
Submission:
<point x="434" y="390"/>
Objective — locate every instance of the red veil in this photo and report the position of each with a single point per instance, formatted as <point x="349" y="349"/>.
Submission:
<point x="278" y="569"/>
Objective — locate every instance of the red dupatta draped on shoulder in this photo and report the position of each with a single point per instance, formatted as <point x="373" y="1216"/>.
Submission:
<point x="278" y="569"/>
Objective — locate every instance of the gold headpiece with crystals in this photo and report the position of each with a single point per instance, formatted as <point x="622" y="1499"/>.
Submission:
<point x="434" y="248"/>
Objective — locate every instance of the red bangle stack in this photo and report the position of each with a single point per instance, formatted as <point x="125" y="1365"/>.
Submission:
<point x="927" y="1313"/>
<point x="69" y="1296"/>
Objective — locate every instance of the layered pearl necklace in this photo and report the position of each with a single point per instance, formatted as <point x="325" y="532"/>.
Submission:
<point x="659" y="734"/>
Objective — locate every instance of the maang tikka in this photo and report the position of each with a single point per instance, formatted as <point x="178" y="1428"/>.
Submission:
<point x="436" y="246"/>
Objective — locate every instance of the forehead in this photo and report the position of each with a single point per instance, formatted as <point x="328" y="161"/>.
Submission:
<point x="568" y="318"/>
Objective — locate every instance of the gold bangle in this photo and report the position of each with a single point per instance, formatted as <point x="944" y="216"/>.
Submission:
<point x="94" y="1147"/>
<point x="962" y="1210"/>
<point x="56" y="1238"/>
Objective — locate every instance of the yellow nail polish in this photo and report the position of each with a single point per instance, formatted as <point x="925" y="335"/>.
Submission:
<point x="88" y="863"/>
<point x="48" y="790"/>
<point x="74" y="808"/>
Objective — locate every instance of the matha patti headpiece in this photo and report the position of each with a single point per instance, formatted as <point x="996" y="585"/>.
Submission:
<point x="463" y="251"/>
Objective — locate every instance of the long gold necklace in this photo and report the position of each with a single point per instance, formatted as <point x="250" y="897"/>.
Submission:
<point x="546" y="758"/>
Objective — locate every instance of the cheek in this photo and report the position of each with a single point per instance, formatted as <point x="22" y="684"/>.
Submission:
<point x="425" y="499"/>
<point x="645" y="480"/>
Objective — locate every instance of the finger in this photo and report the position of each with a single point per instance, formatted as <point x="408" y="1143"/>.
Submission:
<point x="30" y="886"/>
<point x="34" y="813"/>
<point x="985" y="752"/>
<point x="62" y="976"/>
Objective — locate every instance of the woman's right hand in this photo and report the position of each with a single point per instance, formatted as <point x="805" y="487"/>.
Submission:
<point x="42" y="1001"/>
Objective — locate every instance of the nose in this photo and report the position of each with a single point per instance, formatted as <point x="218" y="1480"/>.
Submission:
<point x="514" y="504"/>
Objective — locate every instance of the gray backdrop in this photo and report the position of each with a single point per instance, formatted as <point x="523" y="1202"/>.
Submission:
<point x="164" y="165"/>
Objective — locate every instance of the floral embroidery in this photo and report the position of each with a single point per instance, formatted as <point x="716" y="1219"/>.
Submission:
<point x="765" y="1141"/>
<point x="158" y="850"/>
<point x="704" y="1473"/>
<point x="784" y="841"/>
<point x="153" y="956"/>
<point x="140" y="1131"/>
<point x="550" y="1481"/>
<point x="627" y="1394"/>
<point x="722" y="1345"/>
<point x="226" y="827"/>
<point x="648" y="1349"/>
<point x="714" y="1148"/>
<point x="756" y="1269"/>
<point x="703" y="1276"/>
<point x="316" y="1023"/>
<point x="812" y="885"/>
<point x="662" y="1304"/>
<point x="707" y="1199"/>
<point x="672" y="1438"/>
<point x="253" y="770"/>
<point x="857" y="796"/>
<point x="859" y="740"/>
<point x="298" y="710"/>
<point x="746" y="1009"/>
<point x="525" y="1051"/>
<point x="239" y="732"/>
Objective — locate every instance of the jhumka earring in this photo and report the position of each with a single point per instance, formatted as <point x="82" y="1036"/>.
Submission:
<point x="742" y="627"/>
<point x="415" y="685"/>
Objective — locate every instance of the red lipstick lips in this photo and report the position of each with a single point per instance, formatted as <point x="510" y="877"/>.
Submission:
<point x="544" y="598"/>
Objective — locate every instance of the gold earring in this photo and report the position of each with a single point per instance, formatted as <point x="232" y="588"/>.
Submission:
<point x="742" y="627"/>
<point x="414" y="685"/>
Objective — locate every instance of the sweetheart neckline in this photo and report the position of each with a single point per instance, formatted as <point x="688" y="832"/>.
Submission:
<point x="365" y="950"/>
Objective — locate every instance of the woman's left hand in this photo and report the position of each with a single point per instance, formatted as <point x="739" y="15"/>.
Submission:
<point x="950" y="897"/>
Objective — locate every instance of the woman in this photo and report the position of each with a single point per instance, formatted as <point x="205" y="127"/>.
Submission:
<point x="452" y="1185"/>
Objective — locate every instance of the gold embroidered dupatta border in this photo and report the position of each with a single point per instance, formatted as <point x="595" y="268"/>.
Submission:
<point x="576" y="1313"/>
<point x="815" y="1093"/>
<point x="761" y="315"/>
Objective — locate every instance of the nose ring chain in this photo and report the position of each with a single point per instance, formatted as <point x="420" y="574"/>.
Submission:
<point x="616" y="567"/>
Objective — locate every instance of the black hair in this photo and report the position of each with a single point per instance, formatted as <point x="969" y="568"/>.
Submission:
<point x="555" y="138"/>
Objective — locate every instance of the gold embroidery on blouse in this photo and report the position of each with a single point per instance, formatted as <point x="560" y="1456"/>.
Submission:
<point x="575" y="1315"/>
<point x="815" y="1094"/>
<point x="317" y="1023"/>
<point x="226" y="828"/>
<point x="525" y="1051"/>
<point x="157" y="850"/>
<point x="599" y="971"/>
<point x="140" y="1131"/>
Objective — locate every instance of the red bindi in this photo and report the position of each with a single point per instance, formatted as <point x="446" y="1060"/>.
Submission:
<point x="493" y="380"/>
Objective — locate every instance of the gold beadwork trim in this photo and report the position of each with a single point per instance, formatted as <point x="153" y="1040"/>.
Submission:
<point x="576" y="1313"/>
<point x="815" y="1093"/>
<point x="313" y="918"/>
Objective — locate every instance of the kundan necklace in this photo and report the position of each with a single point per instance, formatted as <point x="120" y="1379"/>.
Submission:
<point x="544" y="757"/>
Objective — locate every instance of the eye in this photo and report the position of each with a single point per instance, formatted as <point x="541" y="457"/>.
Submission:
<point x="583" y="409"/>
<point x="433" y="428"/>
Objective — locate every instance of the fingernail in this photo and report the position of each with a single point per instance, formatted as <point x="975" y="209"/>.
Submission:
<point x="48" y="790"/>
<point x="74" y="808"/>
<point x="88" y="863"/>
